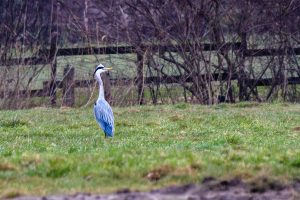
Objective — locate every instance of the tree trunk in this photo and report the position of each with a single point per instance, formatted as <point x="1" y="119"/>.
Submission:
<point x="140" y="78"/>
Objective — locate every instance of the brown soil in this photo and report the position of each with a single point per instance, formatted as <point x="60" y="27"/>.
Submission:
<point x="209" y="189"/>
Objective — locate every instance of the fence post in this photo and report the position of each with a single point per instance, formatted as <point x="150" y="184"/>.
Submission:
<point x="46" y="88"/>
<point x="68" y="87"/>
<point x="242" y="76"/>
<point x="140" y="78"/>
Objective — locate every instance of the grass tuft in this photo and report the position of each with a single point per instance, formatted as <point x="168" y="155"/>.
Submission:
<point x="7" y="167"/>
<point x="159" y="172"/>
<point x="182" y="106"/>
<point x="12" y="123"/>
<point x="176" y="118"/>
<point x="247" y="104"/>
<point x="297" y="128"/>
<point x="233" y="138"/>
<point x="295" y="162"/>
<point x="11" y="193"/>
<point x="57" y="168"/>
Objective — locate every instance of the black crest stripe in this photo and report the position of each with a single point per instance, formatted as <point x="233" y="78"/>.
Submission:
<point x="97" y="69"/>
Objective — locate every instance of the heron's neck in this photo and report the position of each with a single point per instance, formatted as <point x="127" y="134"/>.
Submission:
<point x="101" y="89"/>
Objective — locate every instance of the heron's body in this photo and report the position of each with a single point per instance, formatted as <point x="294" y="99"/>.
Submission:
<point x="102" y="110"/>
<point x="104" y="117"/>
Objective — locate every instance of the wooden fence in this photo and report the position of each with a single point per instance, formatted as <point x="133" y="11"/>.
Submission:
<point x="68" y="84"/>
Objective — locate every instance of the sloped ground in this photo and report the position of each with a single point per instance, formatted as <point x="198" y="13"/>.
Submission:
<point x="210" y="189"/>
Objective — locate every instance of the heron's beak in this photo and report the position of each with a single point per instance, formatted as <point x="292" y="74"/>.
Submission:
<point x="107" y="68"/>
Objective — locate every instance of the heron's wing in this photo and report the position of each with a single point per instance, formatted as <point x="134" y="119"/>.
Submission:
<point x="105" y="117"/>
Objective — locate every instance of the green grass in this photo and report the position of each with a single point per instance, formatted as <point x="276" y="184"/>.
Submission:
<point x="53" y="151"/>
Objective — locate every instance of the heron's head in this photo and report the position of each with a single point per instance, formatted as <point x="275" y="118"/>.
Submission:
<point x="100" y="69"/>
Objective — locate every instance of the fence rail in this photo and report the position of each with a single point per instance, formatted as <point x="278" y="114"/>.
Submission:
<point x="126" y="81"/>
<point x="42" y="57"/>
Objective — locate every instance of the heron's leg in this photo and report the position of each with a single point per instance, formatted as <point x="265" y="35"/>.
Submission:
<point x="108" y="136"/>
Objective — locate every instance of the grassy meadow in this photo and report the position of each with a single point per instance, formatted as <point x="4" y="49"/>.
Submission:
<point x="55" y="151"/>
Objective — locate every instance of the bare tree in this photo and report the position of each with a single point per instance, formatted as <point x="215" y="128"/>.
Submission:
<point x="23" y="33"/>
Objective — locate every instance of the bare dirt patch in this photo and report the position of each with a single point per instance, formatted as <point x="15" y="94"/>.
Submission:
<point x="296" y="128"/>
<point x="209" y="189"/>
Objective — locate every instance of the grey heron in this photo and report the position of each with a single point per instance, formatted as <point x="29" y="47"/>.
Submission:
<point x="102" y="110"/>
